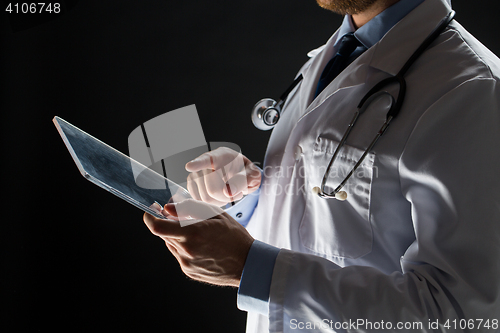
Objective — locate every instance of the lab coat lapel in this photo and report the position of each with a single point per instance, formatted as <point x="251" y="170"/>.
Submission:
<point x="393" y="51"/>
<point x="389" y="55"/>
<point x="354" y="75"/>
<point x="320" y="58"/>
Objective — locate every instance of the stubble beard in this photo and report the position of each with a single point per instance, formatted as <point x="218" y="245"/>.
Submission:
<point x="344" y="7"/>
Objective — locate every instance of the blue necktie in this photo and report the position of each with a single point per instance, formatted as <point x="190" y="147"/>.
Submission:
<point x="337" y="64"/>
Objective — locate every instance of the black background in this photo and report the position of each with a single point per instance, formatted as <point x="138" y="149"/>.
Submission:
<point x="74" y="257"/>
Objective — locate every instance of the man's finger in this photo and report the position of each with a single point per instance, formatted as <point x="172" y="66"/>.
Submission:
<point x="162" y="228"/>
<point x="216" y="159"/>
<point x="191" y="211"/>
<point x="254" y="176"/>
<point x="244" y="182"/>
<point x="236" y="185"/>
<point x="203" y="161"/>
<point x="205" y="184"/>
<point x="170" y="209"/>
<point x="192" y="187"/>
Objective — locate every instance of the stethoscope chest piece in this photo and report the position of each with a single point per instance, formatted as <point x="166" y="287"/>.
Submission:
<point x="265" y="114"/>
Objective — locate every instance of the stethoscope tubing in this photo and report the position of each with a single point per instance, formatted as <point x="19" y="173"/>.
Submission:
<point x="396" y="106"/>
<point x="259" y="114"/>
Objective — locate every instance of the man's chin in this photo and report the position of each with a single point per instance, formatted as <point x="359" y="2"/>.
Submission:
<point x="344" y="7"/>
<point x="329" y="5"/>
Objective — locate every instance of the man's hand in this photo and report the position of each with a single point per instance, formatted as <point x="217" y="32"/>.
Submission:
<point x="212" y="251"/>
<point x="221" y="176"/>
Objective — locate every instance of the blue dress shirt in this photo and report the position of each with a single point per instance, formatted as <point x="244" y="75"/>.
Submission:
<point x="255" y="284"/>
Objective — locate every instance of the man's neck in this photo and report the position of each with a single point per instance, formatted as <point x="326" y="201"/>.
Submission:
<point x="378" y="7"/>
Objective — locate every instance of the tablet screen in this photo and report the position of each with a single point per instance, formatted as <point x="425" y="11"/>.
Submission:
<point x="118" y="173"/>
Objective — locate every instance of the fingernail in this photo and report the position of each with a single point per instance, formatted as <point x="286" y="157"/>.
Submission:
<point x="254" y="183"/>
<point x="157" y="206"/>
<point x="171" y="204"/>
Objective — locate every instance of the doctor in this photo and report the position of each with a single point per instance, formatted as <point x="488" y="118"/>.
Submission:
<point x="416" y="244"/>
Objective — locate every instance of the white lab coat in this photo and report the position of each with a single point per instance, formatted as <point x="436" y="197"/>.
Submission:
<point x="418" y="238"/>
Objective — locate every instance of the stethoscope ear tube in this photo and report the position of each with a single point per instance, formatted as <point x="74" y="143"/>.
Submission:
<point x="427" y="42"/>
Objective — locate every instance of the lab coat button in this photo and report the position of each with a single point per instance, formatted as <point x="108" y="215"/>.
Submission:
<point x="298" y="152"/>
<point x="239" y="215"/>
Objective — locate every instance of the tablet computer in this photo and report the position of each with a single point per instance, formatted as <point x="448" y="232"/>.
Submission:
<point x="117" y="173"/>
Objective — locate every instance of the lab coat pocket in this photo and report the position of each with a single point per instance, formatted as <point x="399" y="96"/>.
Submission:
<point x="333" y="228"/>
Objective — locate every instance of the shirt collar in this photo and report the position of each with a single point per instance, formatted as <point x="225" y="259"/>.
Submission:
<point x="373" y="31"/>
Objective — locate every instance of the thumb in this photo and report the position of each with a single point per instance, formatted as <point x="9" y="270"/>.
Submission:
<point x="170" y="209"/>
<point x="192" y="211"/>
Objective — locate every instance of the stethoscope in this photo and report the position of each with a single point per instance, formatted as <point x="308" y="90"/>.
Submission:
<point x="267" y="112"/>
